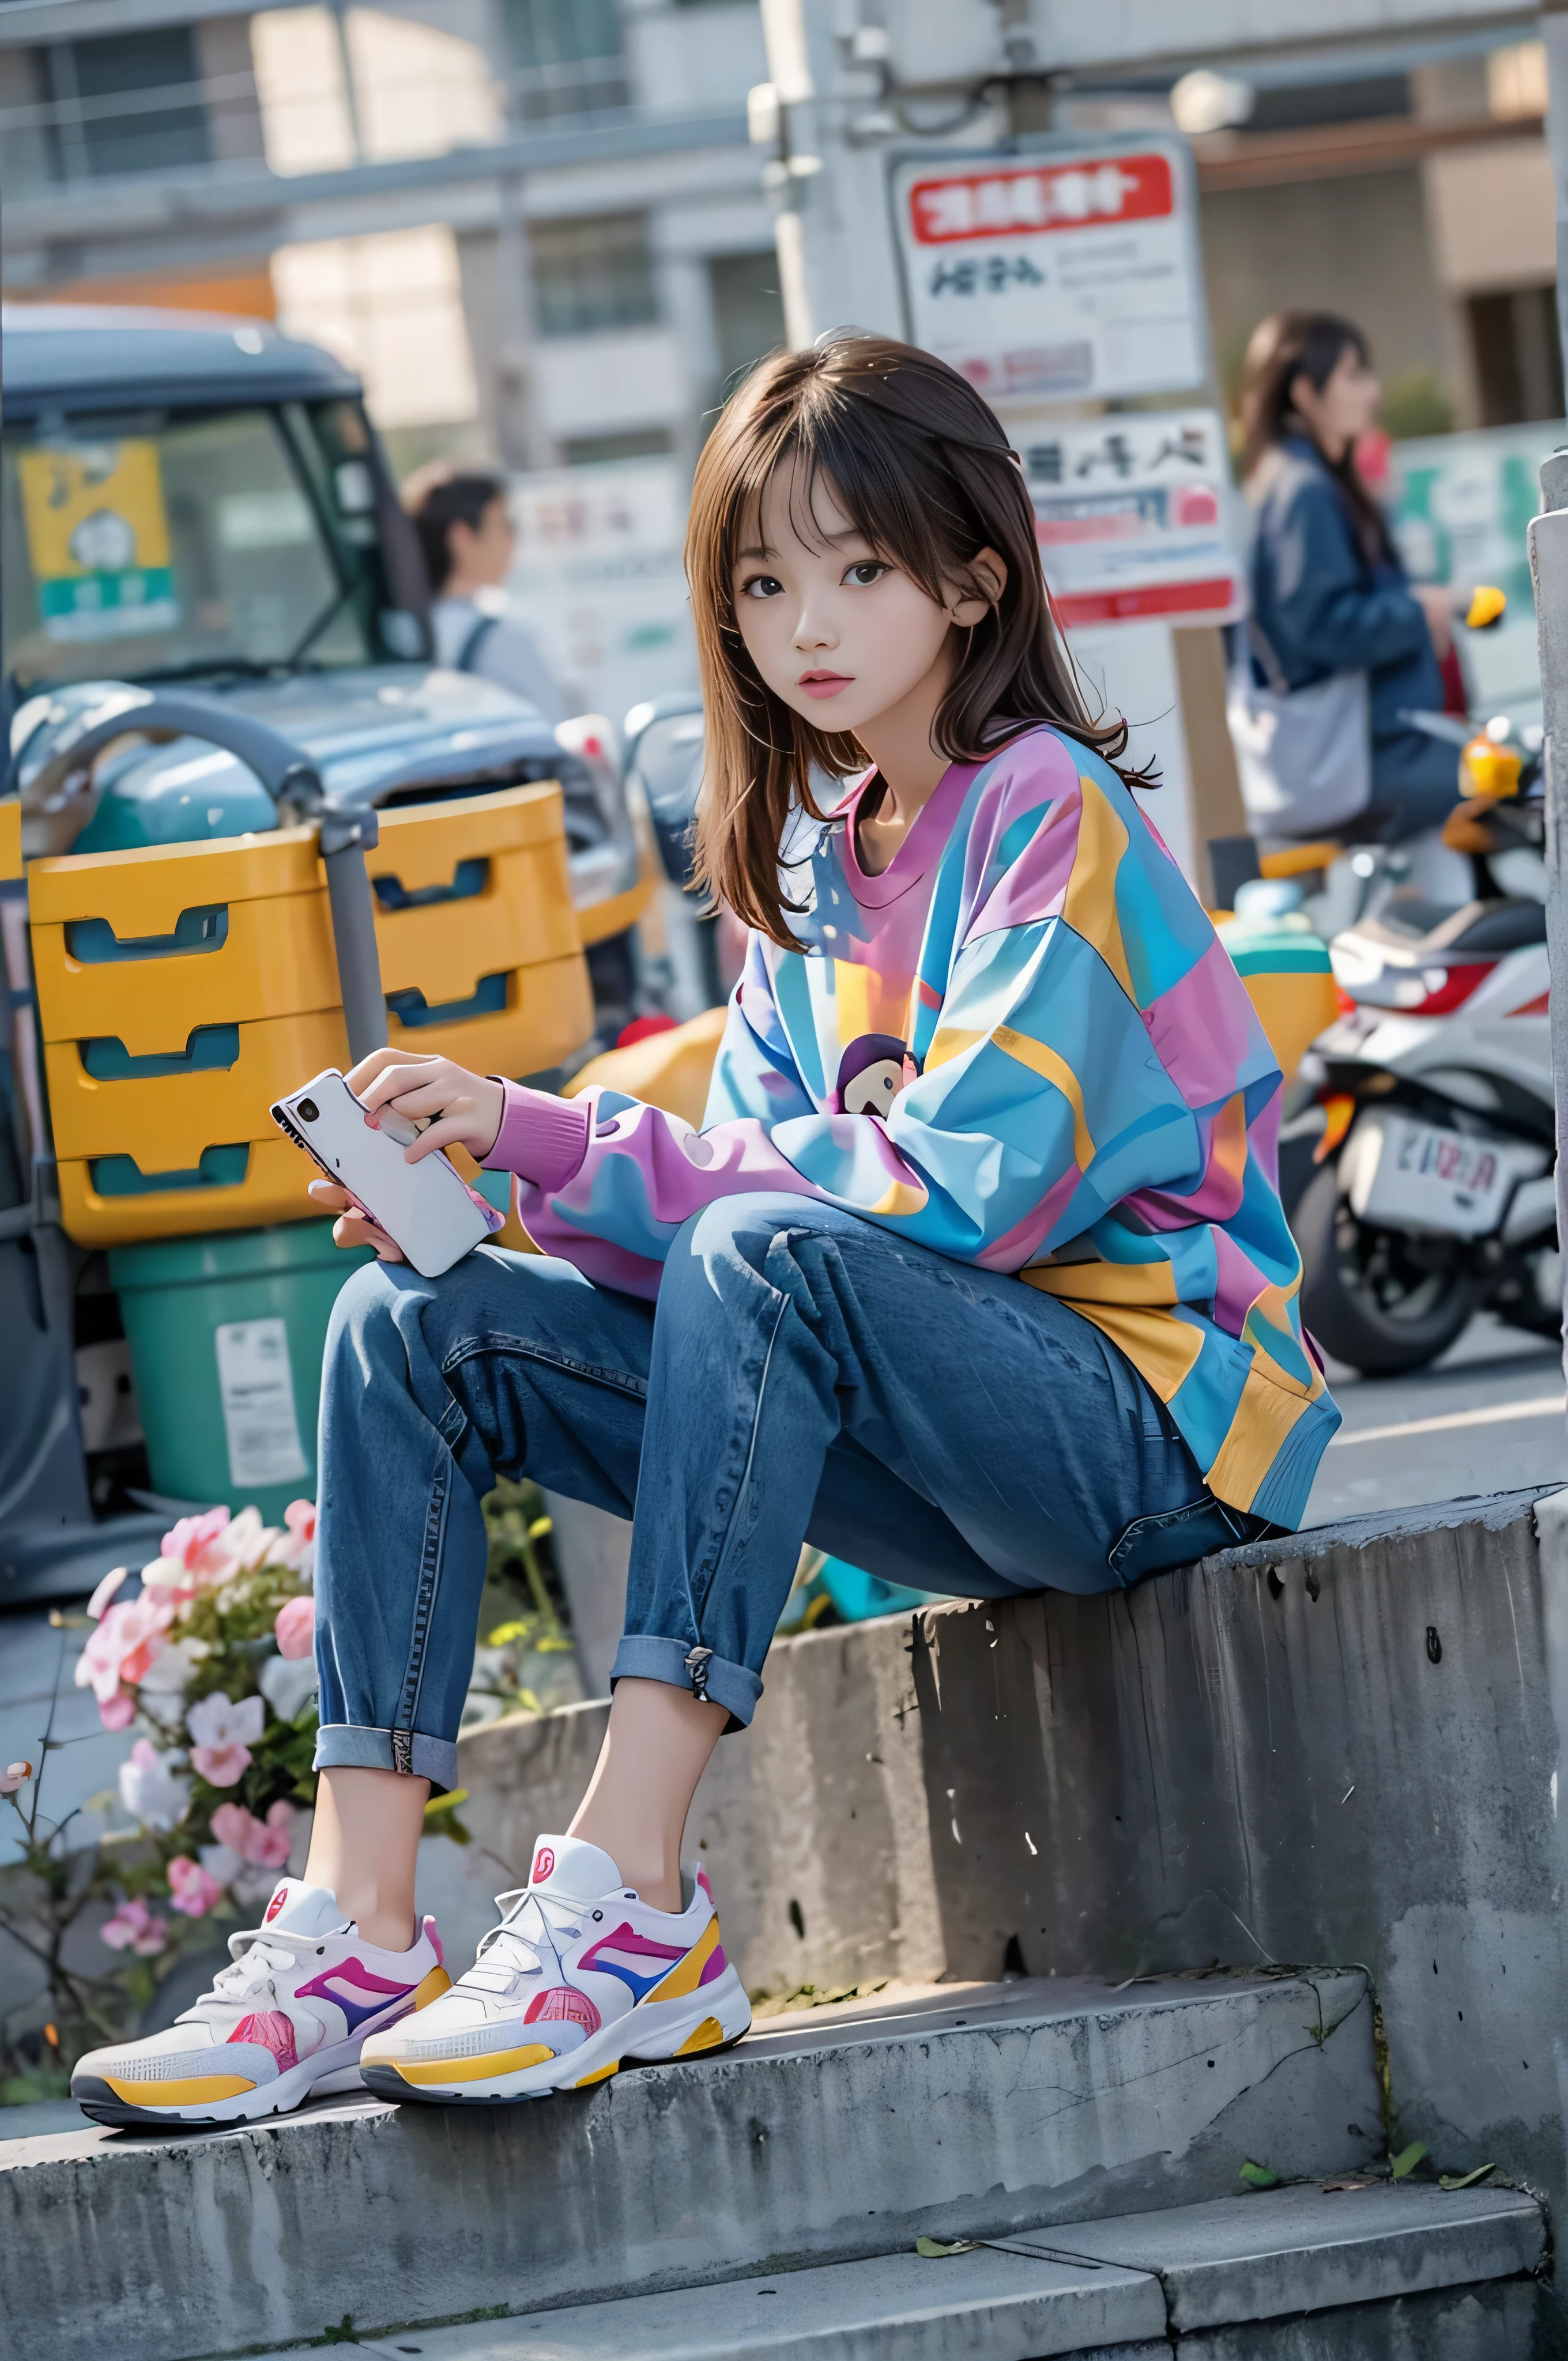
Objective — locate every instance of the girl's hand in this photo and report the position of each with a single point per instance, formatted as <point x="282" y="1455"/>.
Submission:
<point x="460" y="1109"/>
<point x="353" y="1227"/>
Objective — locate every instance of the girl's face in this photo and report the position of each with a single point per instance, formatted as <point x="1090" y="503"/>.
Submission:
<point x="1341" y="413"/>
<point x="838" y="631"/>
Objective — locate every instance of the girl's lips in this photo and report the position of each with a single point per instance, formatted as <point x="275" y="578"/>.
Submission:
<point x="823" y="684"/>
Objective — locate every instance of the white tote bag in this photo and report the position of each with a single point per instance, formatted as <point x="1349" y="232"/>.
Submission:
<point x="1304" y="754"/>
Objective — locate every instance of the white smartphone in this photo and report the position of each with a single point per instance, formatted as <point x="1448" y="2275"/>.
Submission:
<point x="424" y="1208"/>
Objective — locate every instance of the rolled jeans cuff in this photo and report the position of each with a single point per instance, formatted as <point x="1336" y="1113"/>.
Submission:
<point x="346" y="1746"/>
<point x="642" y="1657"/>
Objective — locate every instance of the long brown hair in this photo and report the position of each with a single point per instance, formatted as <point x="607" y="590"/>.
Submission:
<point x="1287" y="345"/>
<point x="923" y="468"/>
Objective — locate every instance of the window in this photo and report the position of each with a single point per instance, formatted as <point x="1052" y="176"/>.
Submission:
<point x="1519" y="355"/>
<point x="136" y="546"/>
<point x="747" y="310"/>
<point x="127" y="102"/>
<point x="593" y="274"/>
<point x="566" y="57"/>
<point x="390" y="306"/>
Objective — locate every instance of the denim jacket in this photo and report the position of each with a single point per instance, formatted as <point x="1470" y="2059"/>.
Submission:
<point x="1322" y="608"/>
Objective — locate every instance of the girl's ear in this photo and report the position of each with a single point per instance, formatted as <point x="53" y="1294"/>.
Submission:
<point x="989" y="572"/>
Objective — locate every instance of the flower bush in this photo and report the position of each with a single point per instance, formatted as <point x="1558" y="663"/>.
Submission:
<point x="211" y="1661"/>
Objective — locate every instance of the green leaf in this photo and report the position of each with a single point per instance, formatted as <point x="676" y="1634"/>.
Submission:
<point x="1258" y="2176"/>
<point x="541" y="1526"/>
<point x="505" y="1632"/>
<point x="1405" y="2163"/>
<point x="447" y="1803"/>
<point x="1452" y="2180"/>
<point x="933" y="2249"/>
<point x="343" y="2332"/>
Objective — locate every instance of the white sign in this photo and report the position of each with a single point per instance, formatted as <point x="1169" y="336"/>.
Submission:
<point x="600" y="577"/>
<point x="1130" y="516"/>
<point x="1070" y="276"/>
<point x="257" y="1388"/>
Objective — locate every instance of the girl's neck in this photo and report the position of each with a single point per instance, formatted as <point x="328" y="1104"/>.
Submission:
<point x="908" y="766"/>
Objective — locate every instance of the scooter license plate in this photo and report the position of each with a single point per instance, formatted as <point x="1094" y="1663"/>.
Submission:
<point x="1402" y="1174"/>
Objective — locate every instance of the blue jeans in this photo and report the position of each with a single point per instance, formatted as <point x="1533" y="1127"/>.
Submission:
<point x="806" y="1376"/>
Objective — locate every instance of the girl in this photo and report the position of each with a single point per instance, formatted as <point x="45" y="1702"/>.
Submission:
<point x="975" y="1275"/>
<point x="1329" y="593"/>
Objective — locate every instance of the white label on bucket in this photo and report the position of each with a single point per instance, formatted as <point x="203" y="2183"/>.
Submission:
<point x="258" y="1402"/>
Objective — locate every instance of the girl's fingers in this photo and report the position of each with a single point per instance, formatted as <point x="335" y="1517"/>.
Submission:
<point x="361" y="1076"/>
<point x="400" y="1076"/>
<point x="359" y="1230"/>
<point x="456" y="1130"/>
<point x="329" y="1196"/>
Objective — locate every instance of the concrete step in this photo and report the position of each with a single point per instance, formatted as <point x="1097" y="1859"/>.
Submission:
<point x="1117" y="2288"/>
<point x="822" y="2139"/>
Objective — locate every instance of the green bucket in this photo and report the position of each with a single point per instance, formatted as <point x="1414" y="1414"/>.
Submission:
<point x="226" y="1334"/>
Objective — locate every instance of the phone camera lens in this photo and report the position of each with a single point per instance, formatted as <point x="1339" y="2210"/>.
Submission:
<point x="309" y="1111"/>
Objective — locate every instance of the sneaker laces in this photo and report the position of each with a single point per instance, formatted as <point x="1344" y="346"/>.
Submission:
<point x="258" y="1955"/>
<point x="523" y="1945"/>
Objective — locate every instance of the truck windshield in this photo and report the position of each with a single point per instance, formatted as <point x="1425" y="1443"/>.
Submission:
<point x="166" y="544"/>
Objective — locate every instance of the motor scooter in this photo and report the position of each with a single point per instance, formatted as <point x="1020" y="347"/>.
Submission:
<point x="1419" y="1176"/>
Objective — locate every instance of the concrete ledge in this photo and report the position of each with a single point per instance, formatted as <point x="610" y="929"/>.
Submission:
<point x="1249" y="2259"/>
<point x="1032" y="2102"/>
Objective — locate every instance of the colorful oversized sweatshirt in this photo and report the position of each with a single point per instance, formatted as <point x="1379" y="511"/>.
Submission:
<point x="1023" y="1045"/>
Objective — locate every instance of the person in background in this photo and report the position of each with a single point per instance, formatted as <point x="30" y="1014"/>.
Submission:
<point x="469" y="541"/>
<point x="1329" y="593"/>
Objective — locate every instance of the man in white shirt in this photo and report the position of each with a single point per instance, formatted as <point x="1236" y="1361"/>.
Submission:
<point x="468" y="539"/>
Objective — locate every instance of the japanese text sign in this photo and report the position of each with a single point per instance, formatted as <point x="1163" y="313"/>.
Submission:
<point x="1069" y="277"/>
<point x="1130" y="516"/>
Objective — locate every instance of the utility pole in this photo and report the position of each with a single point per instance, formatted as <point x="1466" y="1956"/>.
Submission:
<point x="1548" y="571"/>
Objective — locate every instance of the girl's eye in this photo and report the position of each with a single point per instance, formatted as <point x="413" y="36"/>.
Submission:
<point x="762" y="586"/>
<point x="866" y="571"/>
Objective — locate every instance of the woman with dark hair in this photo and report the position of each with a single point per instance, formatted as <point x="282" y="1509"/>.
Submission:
<point x="1328" y="594"/>
<point x="975" y="1273"/>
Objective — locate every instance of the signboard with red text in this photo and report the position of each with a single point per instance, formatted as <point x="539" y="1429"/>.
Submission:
<point x="1130" y="514"/>
<point x="1067" y="276"/>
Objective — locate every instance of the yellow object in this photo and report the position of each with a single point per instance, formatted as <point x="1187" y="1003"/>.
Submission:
<point x="603" y="2075"/>
<point x="432" y="1986"/>
<point x="182" y="988"/>
<point x="1293" y="1009"/>
<point x="475" y="2069"/>
<point x="1339" y="1112"/>
<point x="98" y="538"/>
<point x="1488" y="606"/>
<point x="10" y="839"/>
<point x="1298" y="859"/>
<point x="202" y="2091"/>
<point x="686" y="1976"/>
<point x="1491" y="770"/>
<point x="709" y="2035"/>
<point x="600" y="920"/>
<point x="671" y="1070"/>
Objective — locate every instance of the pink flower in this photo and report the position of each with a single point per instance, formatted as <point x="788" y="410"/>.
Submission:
<point x="299" y="1551"/>
<point x="267" y="1842"/>
<point x="133" y="1928"/>
<point x="105" y="1591"/>
<point x="15" y="1775"/>
<point x="194" y="1544"/>
<point x="193" y="1889"/>
<point x="119" y="1653"/>
<point x="295" y="1625"/>
<point x="225" y="1734"/>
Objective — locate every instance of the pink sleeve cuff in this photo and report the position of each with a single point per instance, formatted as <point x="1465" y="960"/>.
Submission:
<point x="542" y="1139"/>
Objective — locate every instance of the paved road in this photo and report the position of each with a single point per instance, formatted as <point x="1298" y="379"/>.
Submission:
<point x="1487" y="1418"/>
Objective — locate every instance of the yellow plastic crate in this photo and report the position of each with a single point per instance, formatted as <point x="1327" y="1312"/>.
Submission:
<point x="182" y="988"/>
<point x="143" y="947"/>
<point x="166" y="1114"/>
<point x="542" y="1012"/>
<point x="249" y="1183"/>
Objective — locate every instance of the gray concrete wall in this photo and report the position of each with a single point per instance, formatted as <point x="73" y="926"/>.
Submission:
<point x="1341" y="1748"/>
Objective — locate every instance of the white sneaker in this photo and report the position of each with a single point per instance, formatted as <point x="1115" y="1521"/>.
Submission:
<point x="284" y="2023"/>
<point x="580" y="1977"/>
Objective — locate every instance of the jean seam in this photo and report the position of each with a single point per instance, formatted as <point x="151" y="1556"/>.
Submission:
<point x="1158" y="1519"/>
<point x="742" y="1488"/>
<point x="425" y="1596"/>
<point x="617" y="1380"/>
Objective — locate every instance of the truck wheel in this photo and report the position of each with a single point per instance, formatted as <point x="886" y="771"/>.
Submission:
<point x="1366" y="1295"/>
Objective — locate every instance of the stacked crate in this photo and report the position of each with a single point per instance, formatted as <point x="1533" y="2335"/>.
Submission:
<point x="182" y="988"/>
